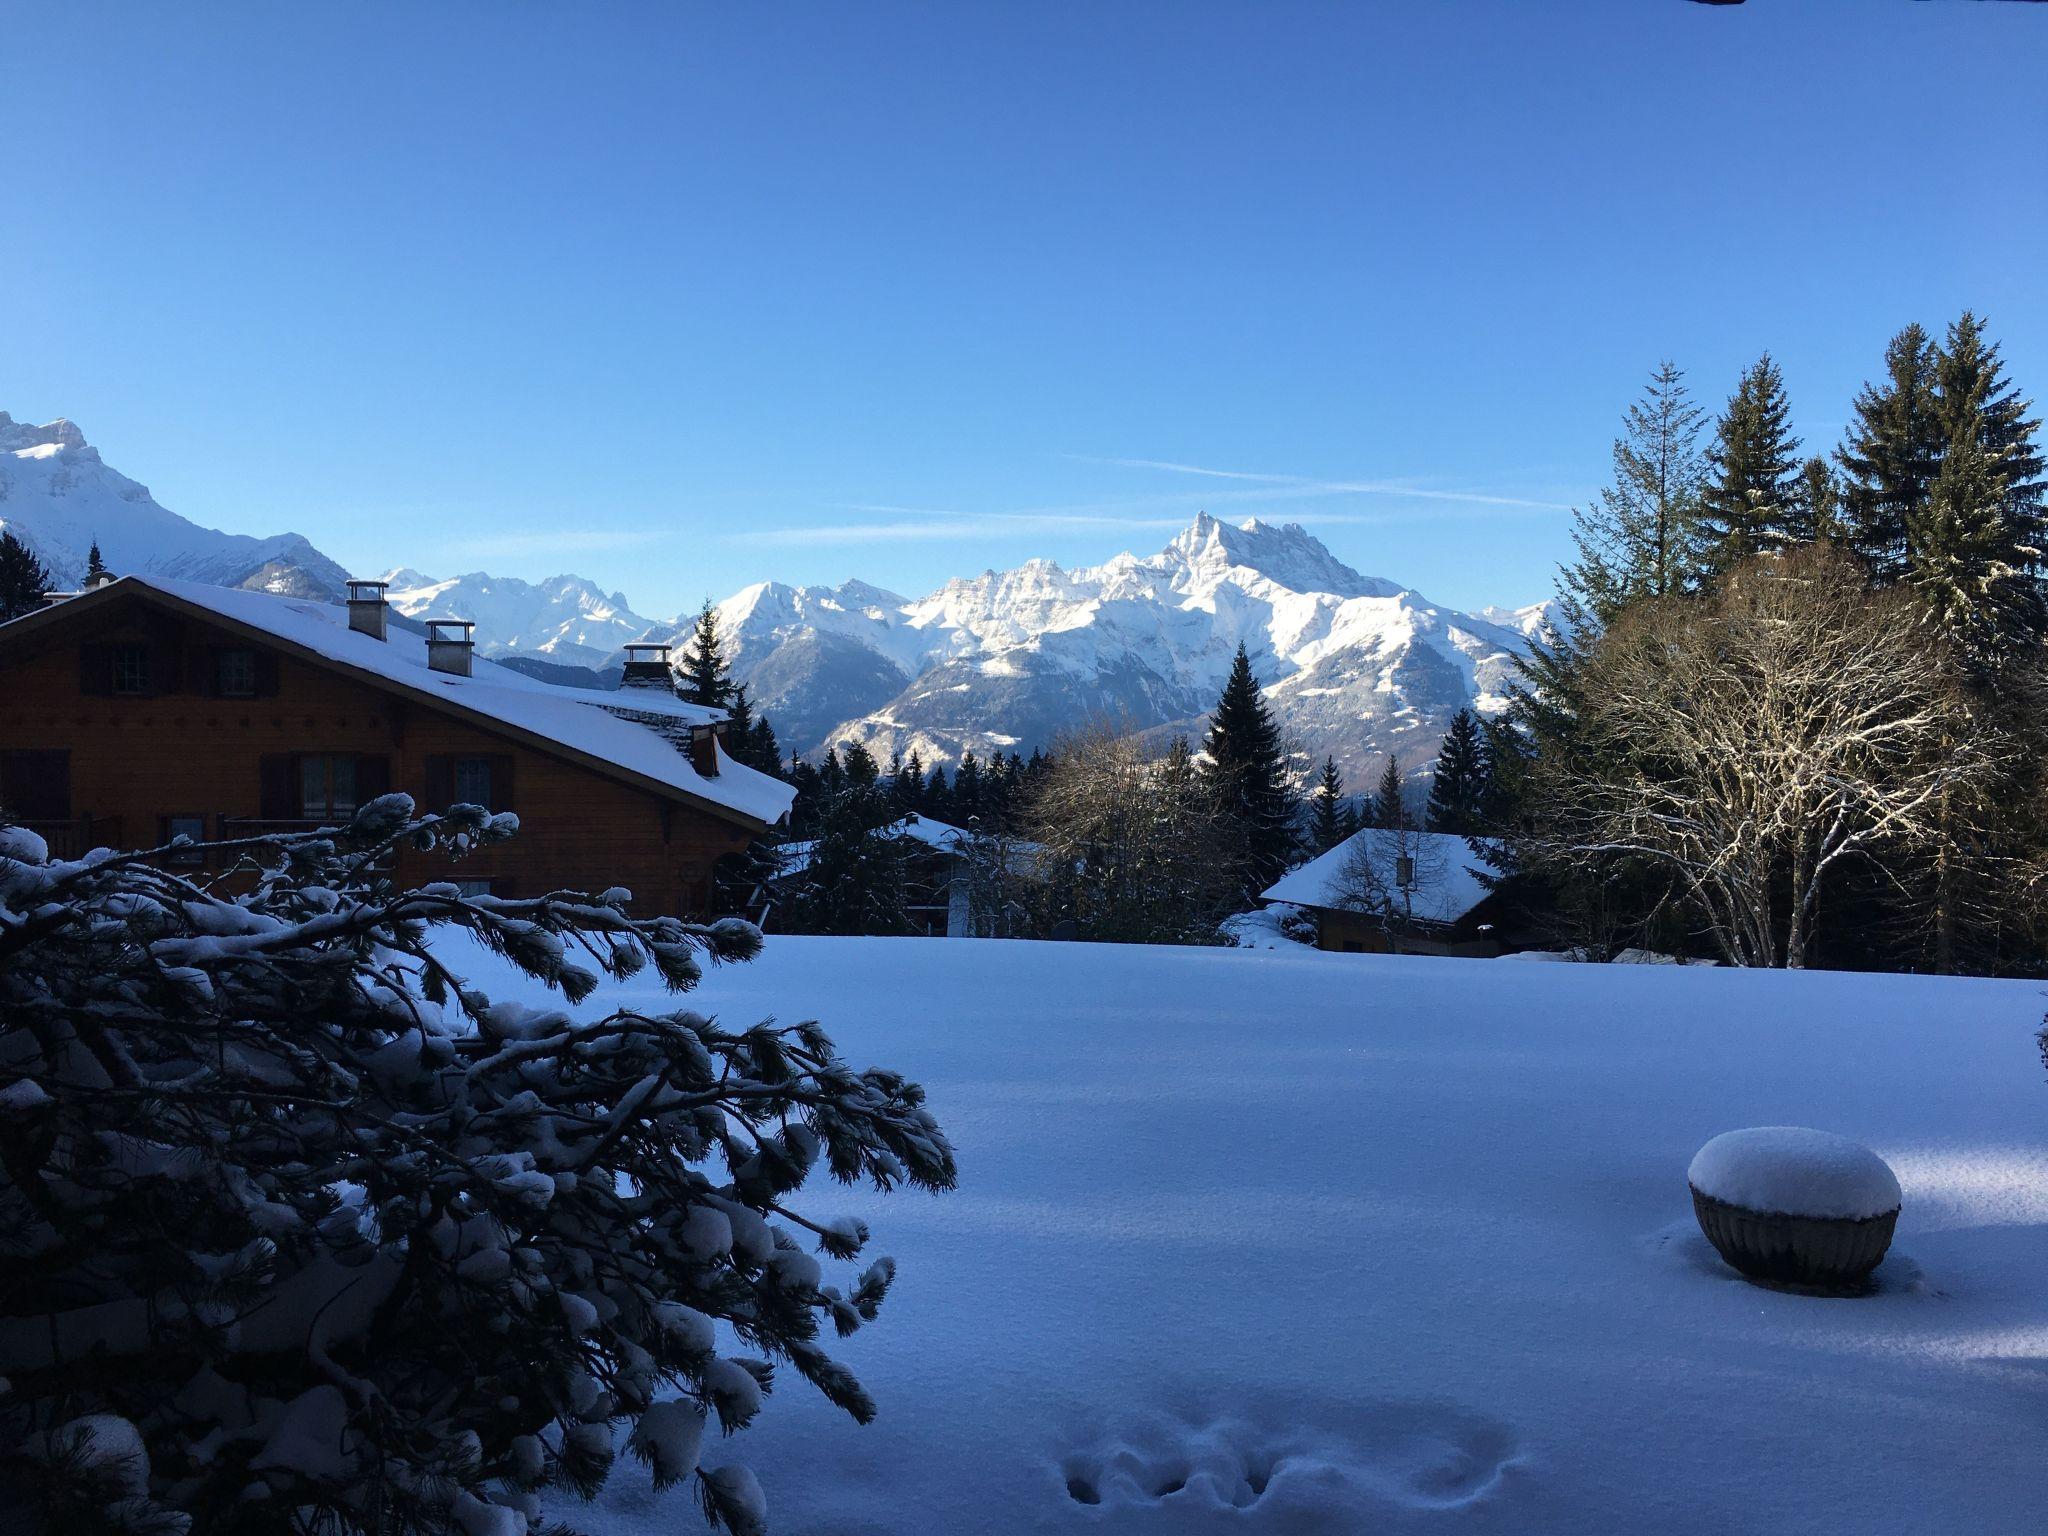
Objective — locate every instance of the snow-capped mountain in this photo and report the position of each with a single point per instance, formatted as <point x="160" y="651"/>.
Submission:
<point x="1355" y="666"/>
<point x="564" y="619"/>
<point x="57" y="497"/>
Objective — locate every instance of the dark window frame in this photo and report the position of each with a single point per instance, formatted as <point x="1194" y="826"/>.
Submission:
<point x="128" y="670"/>
<point x="242" y="686"/>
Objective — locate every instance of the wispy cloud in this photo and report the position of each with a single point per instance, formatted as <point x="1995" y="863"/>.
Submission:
<point x="893" y="523"/>
<point x="1318" y="485"/>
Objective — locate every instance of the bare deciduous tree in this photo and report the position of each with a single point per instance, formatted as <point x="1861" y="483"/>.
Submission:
<point x="1400" y="875"/>
<point x="1136" y="847"/>
<point x="1750" y="740"/>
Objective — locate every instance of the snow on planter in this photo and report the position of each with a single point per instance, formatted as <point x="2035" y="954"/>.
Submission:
<point x="1782" y="1202"/>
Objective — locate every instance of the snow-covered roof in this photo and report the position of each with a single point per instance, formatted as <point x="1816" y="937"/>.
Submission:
<point x="577" y="720"/>
<point x="947" y="838"/>
<point x="1448" y="891"/>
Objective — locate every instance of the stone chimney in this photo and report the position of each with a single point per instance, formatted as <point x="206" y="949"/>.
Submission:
<point x="450" y="645"/>
<point x="367" y="609"/>
<point x="647" y="666"/>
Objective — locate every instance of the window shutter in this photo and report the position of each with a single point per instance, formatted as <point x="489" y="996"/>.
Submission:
<point x="201" y="668"/>
<point x="440" y="782"/>
<point x="279" y="801"/>
<point x="373" y="777"/>
<point x="266" y="674"/>
<point x="501" y="781"/>
<point x="96" y="669"/>
<point x="166" y="673"/>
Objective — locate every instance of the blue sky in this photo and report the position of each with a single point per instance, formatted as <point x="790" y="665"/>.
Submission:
<point x="683" y="297"/>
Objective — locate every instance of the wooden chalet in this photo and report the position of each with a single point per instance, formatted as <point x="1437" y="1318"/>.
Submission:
<point x="1428" y="900"/>
<point x="147" y="707"/>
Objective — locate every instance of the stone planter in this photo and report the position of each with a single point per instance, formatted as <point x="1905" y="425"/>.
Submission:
<point x="1833" y="1253"/>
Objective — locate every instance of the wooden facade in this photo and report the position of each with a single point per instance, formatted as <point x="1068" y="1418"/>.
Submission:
<point x="127" y="717"/>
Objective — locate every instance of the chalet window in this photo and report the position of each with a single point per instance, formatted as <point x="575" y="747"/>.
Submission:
<point x="130" y="664"/>
<point x="477" y="887"/>
<point x="36" y="785"/>
<point x="234" y="673"/>
<point x="483" y="779"/>
<point x="193" y="827"/>
<point x="327" y="786"/>
<point x="320" y="786"/>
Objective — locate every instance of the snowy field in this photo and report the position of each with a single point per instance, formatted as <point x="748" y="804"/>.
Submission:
<point x="1271" y="1242"/>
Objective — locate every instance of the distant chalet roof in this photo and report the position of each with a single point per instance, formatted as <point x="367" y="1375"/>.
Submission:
<point x="916" y="828"/>
<point x="586" y="725"/>
<point x="1318" y="882"/>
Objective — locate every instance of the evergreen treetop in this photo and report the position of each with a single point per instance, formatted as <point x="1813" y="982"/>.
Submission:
<point x="1751" y="502"/>
<point x="1637" y="539"/>
<point x="95" y="568"/>
<point x="1457" y="793"/>
<point x="1326" y="809"/>
<point x="706" y="677"/>
<point x="1892" y="454"/>
<point x="1249" y="771"/>
<point x="1389" y="802"/>
<point x="23" y="578"/>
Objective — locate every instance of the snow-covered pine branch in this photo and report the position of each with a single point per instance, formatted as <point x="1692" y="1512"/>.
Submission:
<point x="299" y="1231"/>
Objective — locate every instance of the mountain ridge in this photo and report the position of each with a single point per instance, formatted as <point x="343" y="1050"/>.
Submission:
<point x="1357" y="667"/>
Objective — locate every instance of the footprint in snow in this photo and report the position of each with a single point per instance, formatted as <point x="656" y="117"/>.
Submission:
<point x="1406" y="1455"/>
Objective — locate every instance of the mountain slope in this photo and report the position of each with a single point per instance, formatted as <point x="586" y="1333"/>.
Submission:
<point x="1356" y="666"/>
<point x="564" y="619"/>
<point x="57" y="496"/>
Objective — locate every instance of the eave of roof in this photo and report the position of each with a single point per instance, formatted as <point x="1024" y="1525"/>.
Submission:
<point x="449" y="700"/>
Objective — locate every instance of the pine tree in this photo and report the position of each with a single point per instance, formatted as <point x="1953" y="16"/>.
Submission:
<point x="853" y="878"/>
<point x="23" y="578"/>
<point x="1892" y="455"/>
<point x="1820" y="500"/>
<point x="766" y="753"/>
<point x="1751" y="502"/>
<point x="1389" y="803"/>
<point x="1637" y="540"/>
<point x="908" y="784"/>
<point x="294" y="1130"/>
<point x="1973" y="396"/>
<point x="1249" y="773"/>
<point x="966" y="805"/>
<point x="706" y="678"/>
<point x="1967" y="568"/>
<point x="95" y="568"/>
<point x="1458" y="791"/>
<point x="938" y="795"/>
<point x="1326" y="809"/>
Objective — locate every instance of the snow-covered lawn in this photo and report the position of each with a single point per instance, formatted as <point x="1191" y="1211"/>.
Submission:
<point x="1261" y="1242"/>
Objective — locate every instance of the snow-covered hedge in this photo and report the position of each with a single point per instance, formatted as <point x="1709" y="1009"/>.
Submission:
<point x="299" y="1233"/>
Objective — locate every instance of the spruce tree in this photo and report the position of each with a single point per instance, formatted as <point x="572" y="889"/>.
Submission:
<point x="1458" y="791"/>
<point x="1249" y="773"/>
<point x="766" y="753"/>
<point x="1751" y="502"/>
<point x="1891" y="456"/>
<point x="1637" y="540"/>
<point x="938" y="795"/>
<point x="1820" y="500"/>
<point x="908" y="784"/>
<point x="1968" y="569"/>
<point x="706" y="678"/>
<point x="1389" y="803"/>
<point x="1326" y="809"/>
<point x="852" y="881"/>
<point x="23" y="578"/>
<point x="1973" y="396"/>
<point x="966" y="805"/>
<point x="95" y="568"/>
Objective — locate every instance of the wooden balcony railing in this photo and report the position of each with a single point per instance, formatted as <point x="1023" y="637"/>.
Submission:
<point x="75" y="836"/>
